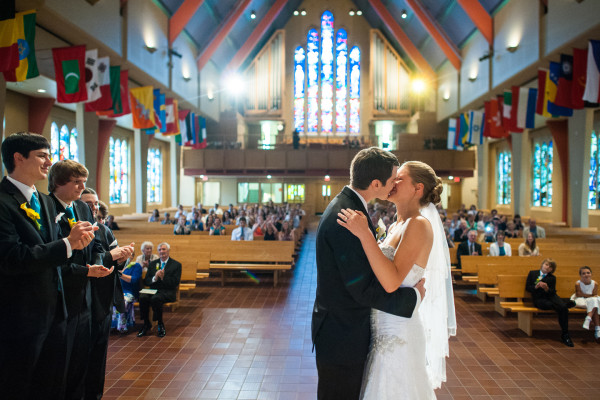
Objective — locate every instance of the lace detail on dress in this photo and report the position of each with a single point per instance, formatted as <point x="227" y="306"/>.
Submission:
<point x="386" y="343"/>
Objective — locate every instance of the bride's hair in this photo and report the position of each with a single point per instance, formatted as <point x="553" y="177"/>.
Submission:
<point x="432" y="185"/>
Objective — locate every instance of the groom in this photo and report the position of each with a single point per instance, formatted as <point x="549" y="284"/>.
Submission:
<point x="347" y="289"/>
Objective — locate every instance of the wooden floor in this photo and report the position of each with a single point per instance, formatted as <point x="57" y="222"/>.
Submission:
<point x="252" y="341"/>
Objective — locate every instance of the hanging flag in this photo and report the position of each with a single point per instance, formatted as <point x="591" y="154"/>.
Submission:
<point x="526" y="108"/>
<point x="462" y="130"/>
<point x="105" y="101"/>
<point x="565" y="82"/>
<point x="580" y="60"/>
<point x="452" y="129"/>
<point x="25" y="36"/>
<point x="172" y="117"/>
<point x="91" y="75"/>
<point x="69" y="67"/>
<point x="201" y="141"/>
<point x="476" y="127"/>
<point x="123" y="106"/>
<point x="592" y="82"/>
<point x="9" y="48"/>
<point x="119" y="90"/>
<point x="159" y="111"/>
<point x="506" y="109"/>
<point x="190" y="129"/>
<point x="551" y="88"/>
<point x="542" y="97"/>
<point x="493" y="120"/>
<point x="514" y="94"/>
<point x="183" y="115"/>
<point x="142" y="107"/>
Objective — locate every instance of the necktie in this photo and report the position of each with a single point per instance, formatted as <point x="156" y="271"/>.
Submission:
<point x="162" y="265"/>
<point x="471" y="251"/>
<point x="70" y="216"/>
<point x="242" y="233"/>
<point x="36" y="206"/>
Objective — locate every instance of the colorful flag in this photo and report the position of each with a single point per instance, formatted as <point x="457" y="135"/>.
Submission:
<point x="526" y="108"/>
<point x="565" y="82"/>
<point x="9" y="48"/>
<point x="105" y="101"/>
<point x="142" y="107"/>
<point x="506" y="109"/>
<point x="452" y="125"/>
<point x="542" y="98"/>
<point x="114" y="73"/>
<point x="476" y="127"/>
<point x="172" y="117"/>
<point x="183" y="115"/>
<point x="592" y="82"/>
<point x="25" y="36"/>
<point x="190" y="129"/>
<point x="160" y="114"/>
<point x="201" y="142"/>
<point x="512" y="126"/>
<point x="551" y="88"/>
<point x="91" y="75"/>
<point x="493" y="120"/>
<point x="69" y="68"/>
<point x="462" y="130"/>
<point x="580" y="59"/>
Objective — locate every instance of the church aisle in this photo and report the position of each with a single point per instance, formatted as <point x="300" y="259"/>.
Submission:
<point x="247" y="341"/>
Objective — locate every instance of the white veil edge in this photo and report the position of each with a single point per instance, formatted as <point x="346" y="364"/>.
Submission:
<point x="437" y="309"/>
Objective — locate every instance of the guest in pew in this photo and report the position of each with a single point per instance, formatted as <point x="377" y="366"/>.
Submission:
<point x="146" y="257"/>
<point x="155" y="217"/>
<point x="180" y="212"/>
<point x="469" y="247"/>
<point x="271" y="232"/>
<point x="462" y="233"/>
<point x="226" y="218"/>
<point x="258" y="228"/>
<point x="181" y="228"/>
<point x="537" y="231"/>
<point x="518" y="223"/>
<point x="111" y="224"/>
<point x="163" y="276"/>
<point x="209" y="221"/>
<point x="130" y="282"/>
<point x="449" y="238"/>
<point x="201" y="209"/>
<point x="287" y="233"/>
<point x="242" y="232"/>
<point x="529" y="248"/>
<point x="217" y="229"/>
<point x="542" y="286"/>
<point x="195" y="223"/>
<point x="499" y="247"/>
<point x="102" y="212"/>
<point x="511" y="232"/>
<point x="190" y="215"/>
<point x="166" y="219"/>
<point x="586" y="296"/>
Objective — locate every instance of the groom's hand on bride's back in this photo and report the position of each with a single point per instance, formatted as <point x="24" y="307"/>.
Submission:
<point x="420" y="286"/>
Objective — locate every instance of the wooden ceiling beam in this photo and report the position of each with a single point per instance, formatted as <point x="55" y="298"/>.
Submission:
<point x="480" y="17"/>
<point x="181" y="17"/>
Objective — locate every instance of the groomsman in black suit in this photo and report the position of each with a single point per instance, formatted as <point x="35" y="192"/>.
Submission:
<point x="469" y="247"/>
<point x="163" y="275"/>
<point x="33" y="318"/>
<point x="347" y="288"/>
<point x="66" y="181"/>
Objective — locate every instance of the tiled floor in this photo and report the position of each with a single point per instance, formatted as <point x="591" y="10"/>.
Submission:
<point x="249" y="341"/>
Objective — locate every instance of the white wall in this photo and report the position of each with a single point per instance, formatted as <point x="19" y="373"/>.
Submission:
<point x="471" y="67"/>
<point x="566" y="19"/>
<point x="185" y="66"/>
<point x="448" y="86"/>
<point x="209" y="82"/>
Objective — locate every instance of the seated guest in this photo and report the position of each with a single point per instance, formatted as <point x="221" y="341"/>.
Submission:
<point x="518" y="223"/>
<point x="102" y="213"/>
<point x="226" y="218"/>
<point x="155" y="217"/>
<point x="448" y="238"/>
<point x="146" y="257"/>
<point x="181" y="227"/>
<point x="541" y="283"/>
<point x="180" y="212"/>
<point x="201" y="209"/>
<point x="195" y="224"/>
<point x="217" y="229"/>
<point x="270" y="232"/>
<point x="242" y="232"/>
<point x="510" y="231"/>
<point x="216" y="210"/>
<point x="166" y="219"/>
<point x="209" y="221"/>
<point x="111" y="224"/>
<point x="164" y="276"/>
<point x="258" y="226"/>
<point x="469" y="247"/>
<point x="529" y="247"/>
<point x="461" y="234"/>
<point x="499" y="247"/>
<point x="190" y="215"/>
<point x="538" y="231"/>
<point x="130" y="282"/>
<point x="286" y="233"/>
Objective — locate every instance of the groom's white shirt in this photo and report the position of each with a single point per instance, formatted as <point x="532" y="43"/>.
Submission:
<point x="365" y="205"/>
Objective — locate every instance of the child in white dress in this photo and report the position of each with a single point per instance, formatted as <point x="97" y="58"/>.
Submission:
<point x="586" y="296"/>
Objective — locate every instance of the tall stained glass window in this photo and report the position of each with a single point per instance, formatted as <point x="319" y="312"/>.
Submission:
<point x="327" y="72"/>
<point x="312" y="87"/>
<point x="119" y="171"/>
<point x="593" y="179"/>
<point x="341" y="80"/>
<point x="503" y="167"/>
<point x="294" y="193"/>
<point x="299" y="74"/>
<point x="63" y="143"/>
<point x="355" y="90"/>
<point x="542" y="173"/>
<point x="154" y="178"/>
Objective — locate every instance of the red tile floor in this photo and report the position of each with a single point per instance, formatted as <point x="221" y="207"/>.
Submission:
<point x="252" y="341"/>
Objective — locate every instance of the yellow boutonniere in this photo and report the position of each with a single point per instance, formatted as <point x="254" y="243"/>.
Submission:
<point x="72" y="222"/>
<point x="381" y="230"/>
<point x="32" y="214"/>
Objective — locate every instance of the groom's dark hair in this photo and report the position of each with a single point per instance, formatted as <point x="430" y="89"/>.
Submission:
<point x="371" y="164"/>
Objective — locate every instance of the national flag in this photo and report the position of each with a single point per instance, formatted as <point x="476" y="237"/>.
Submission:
<point x="105" y="101"/>
<point x="25" y="36"/>
<point x="69" y="68"/>
<point x="542" y="97"/>
<point x="172" y="117"/>
<point x="462" y="130"/>
<point x="526" y="108"/>
<point x="580" y="59"/>
<point x="142" y="107"/>
<point x="183" y="115"/>
<point x="92" y="75"/>
<point x="119" y="90"/>
<point x="9" y="48"/>
<point x="201" y="142"/>
<point x="160" y="114"/>
<point x="493" y="120"/>
<point x="592" y="82"/>
<point x="189" y="138"/>
<point x="565" y="82"/>
<point x="551" y="88"/>
<point x="476" y="127"/>
<point x="514" y="94"/>
<point x="506" y="109"/>
<point x="452" y="125"/>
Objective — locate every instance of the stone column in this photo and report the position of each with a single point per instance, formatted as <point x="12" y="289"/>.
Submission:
<point x="174" y="170"/>
<point x="141" y="141"/>
<point x="581" y="125"/>
<point x="520" y="171"/>
<point x="483" y="154"/>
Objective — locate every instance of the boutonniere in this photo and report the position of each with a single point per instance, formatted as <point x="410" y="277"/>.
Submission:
<point x="72" y="222"/>
<point x="380" y="231"/>
<point x="32" y="214"/>
<point x="58" y="217"/>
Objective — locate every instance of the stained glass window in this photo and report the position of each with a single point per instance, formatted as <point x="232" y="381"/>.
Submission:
<point x="542" y="173"/>
<point x="312" y="87"/>
<point x="119" y="171"/>
<point x="504" y="166"/>
<point x="154" y="178"/>
<point x="341" y="80"/>
<point x="327" y="72"/>
<point x="294" y="193"/>
<point x="299" y="73"/>
<point x="593" y="179"/>
<point x="355" y="90"/>
<point x="63" y="143"/>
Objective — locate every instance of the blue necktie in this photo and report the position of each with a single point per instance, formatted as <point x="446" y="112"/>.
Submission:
<point x="70" y="214"/>
<point x="241" y="233"/>
<point x="162" y="265"/>
<point x="36" y="206"/>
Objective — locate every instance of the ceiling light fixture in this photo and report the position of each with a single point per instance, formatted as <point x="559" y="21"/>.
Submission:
<point x="404" y="14"/>
<point x="252" y="15"/>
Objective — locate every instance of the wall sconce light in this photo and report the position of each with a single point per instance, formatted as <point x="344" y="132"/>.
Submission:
<point x="252" y="15"/>
<point x="210" y="94"/>
<point x="303" y="12"/>
<point x="512" y="48"/>
<point x="404" y="14"/>
<point x="41" y="90"/>
<point x="473" y="78"/>
<point x="358" y="12"/>
<point x="351" y="13"/>
<point x="187" y="78"/>
<point x="446" y="97"/>
<point x="150" y="49"/>
<point x="296" y="12"/>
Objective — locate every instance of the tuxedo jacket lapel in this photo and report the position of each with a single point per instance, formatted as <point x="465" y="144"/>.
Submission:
<point x="359" y="206"/>
<point x="20" y="199"/>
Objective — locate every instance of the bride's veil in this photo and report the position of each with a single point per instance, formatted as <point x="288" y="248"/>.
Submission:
<point x="437" y="309"/>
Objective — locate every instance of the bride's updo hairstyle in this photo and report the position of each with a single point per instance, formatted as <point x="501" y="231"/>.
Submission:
<point x="432" y="185"/>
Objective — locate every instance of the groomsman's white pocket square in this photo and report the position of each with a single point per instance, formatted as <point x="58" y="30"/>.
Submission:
<point x="58" y="217"/>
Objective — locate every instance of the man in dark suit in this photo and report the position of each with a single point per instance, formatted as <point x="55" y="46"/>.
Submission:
<point x="541" y="283"/>
<point x="469" y="247"/>
<point x="163" y="275"/>
<point x="33" y="318"/>
<point x="347" y="288"/>
<point x="66" y="181"/>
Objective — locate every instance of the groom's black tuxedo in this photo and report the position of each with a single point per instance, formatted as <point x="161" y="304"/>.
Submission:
<point x="347" y="289"/>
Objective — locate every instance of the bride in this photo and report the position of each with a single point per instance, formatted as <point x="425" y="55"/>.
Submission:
<point x="407" y="355"/>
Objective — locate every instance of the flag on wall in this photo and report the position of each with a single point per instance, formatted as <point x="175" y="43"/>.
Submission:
<point x="69" y="68"/>
<point x="190" y="137"/>
<point x="580" y="59"/>
<point x="9" y="49"/>
<point x="25" y="37"/>
<point x="172" y="117"/>
<point x="551" y="89"/>
<point x="476" y="127"/>
<point x="104" y="102"/>
<point x="592" y="82"/>
<point x="182" y="115"/>
<point x="565" y="82"/>
<point x="160" y="114"/>
<point x="542" y="99"/>
<point x="452" y="129"/>
<point x="201" y="141"/>
<point x="511" y="104"/>
<point x="92" y="75"/>
<point x="462" y="130"/>
<point x="142" y="107"/>
<point x="493" y="120"/>
<point x="119" y="91"/>
<point x="526" y="108"/>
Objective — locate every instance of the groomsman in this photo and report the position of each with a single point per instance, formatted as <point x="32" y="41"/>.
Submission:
<point x="33" y="318"/>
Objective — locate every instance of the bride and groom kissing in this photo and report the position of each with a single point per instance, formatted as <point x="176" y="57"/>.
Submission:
<point x="377" y="335"/>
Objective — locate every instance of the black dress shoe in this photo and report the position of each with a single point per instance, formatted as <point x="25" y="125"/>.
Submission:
<point x="161" y="330"/>
<point x="144" y="331"/>
<point x="571" y="304"/>
<point x="566" y="339"/>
